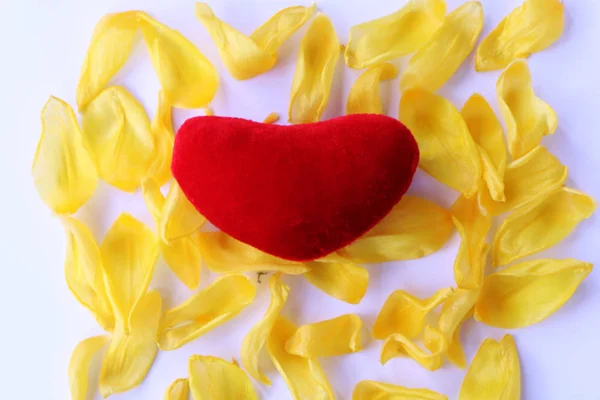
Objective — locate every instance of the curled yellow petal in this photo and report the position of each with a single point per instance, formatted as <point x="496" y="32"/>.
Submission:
<point x="530" y="230"/>
<point x="129" y="252"/>
<point x="395" y="35"/>
<point x="63" y="171"/>
<point x="162" y="130"/>
<point x="529" y="28"/>
<point x="364" y="95"/>
<point x="218" y="303"/>
<point x="528" y="118"/>
<point x="405" y="314"/>
<point x="79" y="365"/>
<point x="212" y="378"/>
<point x="257" y="337"/>
<point x="448" y="152"/>
<point x="495" y="372"/>
<point x="178" y="390"/>
<point x="304" y="377"/>
<point x="317" y="59"/>
<point x="434" y="63"/>
<point x="341" y="279"/>
<point x="371" y="390"/>
<point x="398" y="345"/>
<point x="415" y="228"/>
<point x="119" y="137"/>
<point x="529" y="292"/>
<point x="131" y="353"/>
<point x="333" y="337"/>
<point x="179" y="218"/>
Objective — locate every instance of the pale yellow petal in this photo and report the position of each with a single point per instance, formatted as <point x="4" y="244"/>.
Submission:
<point x="341" y="279"/>
<point x="317" y="60"/>
<point x="530" y="230"/>
<point x="277" y="29"/>
<point x="162" y="129"/>
<point x="79" y="365"/>
<point x="63" y="172"/>
<point x="395" y="35"/>
<point x="434" y="63"/>
<point x="529" y="292"/>
<point x="212" y="378"/>
<point x="371" y="390"/>
<point x="364" y="95"/>
<point x="529" y="28"/>
<point x="210" y="307"/>
<point x="179" y="218"/>
<point x="448" y="152"/>
<point x="398" y="345"/>
<point x="178" y="390"/>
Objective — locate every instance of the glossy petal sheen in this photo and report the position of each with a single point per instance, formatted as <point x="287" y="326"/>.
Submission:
<point x="304" y="377"/>
<point x="162" y="130"/>
<point x="529" y="28"/>
<point x="364" y="95"/>
<point x="398" y="345"/>
<point x="395" y="35"/>
<point x="341" y="279"/>
<point x="218" y="303"/>
<point x="179" y="390"/>
<point x="529" y="292"/>
<point x="212" y="378"/>
<point x="179" y="218"/>
<point x="79" y="365"/>
<point x="413" y="229"/>
<point x="448" y="152"/>
<point x="495" y="373"/>
<point x="63" y="171"/>
<point x="371" y="390"/>
<point x="119" y="137"/>
<point x="434" y="63"/>
<point x="530" y="230"/>
<point x="317" y="59"/>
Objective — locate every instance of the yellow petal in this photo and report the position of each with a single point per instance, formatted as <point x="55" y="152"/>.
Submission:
<point x="79" y="365"/>
<point x="153" y="198"/>
<point x="304" y="377"/>
<point x="448" y="152"/>
<point x="529" y="292"/>
<point x="528" y="118"/>
<point x="364" y="96"/>
<point x="218" y="303"/>
<point x="495" y="373"/>
<point x="187" y="78"/>
<point x="119" y="137"/>
<point x="395" y="35"/>
<point x="273" y="33"/>
<point x="371" y="390"/>
<point x="257" y="337"/>
<point x="434" y="63"/>
<point x="271" y="118"/>
<point x="212" y="378"/>
<point x="317" y="59"/>
<point x="179" y="390"/>
<point x="405" y="314"/>
<point x="530" y="230"/>
<point x="162" y="130"/>
<point x="109" y="49"/>
<point x="129" y="252"/>
<point x="63" y="171"/>
<point x="398" y="345"/>
<point x="413" y="229"/>
<point x="529" y="28"/>
<point x="341" y="279"/>
<point x="487" y="133"/>
<point x="131" y="354"/>
<point x="179" y="217"/>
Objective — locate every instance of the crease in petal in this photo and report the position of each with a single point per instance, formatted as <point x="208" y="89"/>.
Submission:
<point x="179" y="218"/>
<point x="398" y="345"/>
<point x="178" y="390"/>
<point x="79" y="365"/>
<point x="364" y="97"/>
<point x="212" y="378"/>
<point x="162" y="130"/>
<point x="371" y="390"/>
<point x="339" y="278"/>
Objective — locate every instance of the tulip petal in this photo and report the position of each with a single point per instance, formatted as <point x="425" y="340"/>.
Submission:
<point x="398" y="345"/>
<point x="341" y="279"/>
<point x="79" y="365"/>
<point x="162" y="130"/>
<point x="371" y="390"/>
<point x="364" y="96"/>
<point x="212" y="378"/>
<point x="178" y="390"/>
<point x="179" y="218"/>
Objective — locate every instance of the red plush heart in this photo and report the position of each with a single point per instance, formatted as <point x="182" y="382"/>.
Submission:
<point x="297" y="192"/>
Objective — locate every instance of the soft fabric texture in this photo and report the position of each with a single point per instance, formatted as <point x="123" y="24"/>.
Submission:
<point x="298" y="192"/>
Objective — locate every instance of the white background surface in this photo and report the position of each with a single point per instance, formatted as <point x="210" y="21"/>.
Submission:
<point x="43" y="45"/>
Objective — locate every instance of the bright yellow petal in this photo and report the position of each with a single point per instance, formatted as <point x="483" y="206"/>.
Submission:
<point x="153" y="198"/>
<point x="179" y="218"/>
<point x="400" y="346"/>
<point x="341" y="279"/>
<point x="530" y="230"/>
<point x="218" y="303"/>
<point x="529" y="28"/>
<point x="129" y="252"/>
<point x="109" y="49"/>
<point x="448" y="152"/>
<point x="364" y="95"/>
<point x="304" y="377"/>
<point x="434" y="63"/>
<point x="212" y="378"/>
<point x="257" y="336"/>
<point x="317" y="60"/>
<point x="529" y="292"/>
<point x="371" y="390"/>
<point x="119" y="137"/>
<point x="63" y="171"/>
<point x="413" y="229"/>
<point x="271" y="118"/>
<point x="131" y="354"/>
<point x="178" y="390"/>
<point x="495" y="373"/>
<point x="273" y="33"/>
<point x="79" y="365"/>
<point x="405" y="314"/>
<point x="395" y="35"/>
<point x="528" y="118"/>
<point x="162" y="129"/>
<point x="187" y="78"/>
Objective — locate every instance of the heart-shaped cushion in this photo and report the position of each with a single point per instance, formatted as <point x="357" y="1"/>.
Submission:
<point x="297" y="192"/>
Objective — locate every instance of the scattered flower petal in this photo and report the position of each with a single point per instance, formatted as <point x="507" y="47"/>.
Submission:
<point x="339" y="278"/>
<point x="364" y="95"/>
<point x="212" y="378"/>
<point x="179" y="390"/>
<point x="79" y="365"/>
<point x="398" y="345"/>
<point x="179" y="218"/>
<point x="162" y="130"/>
<point x="371" y="390"/>
<point x="271" y="118"/>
